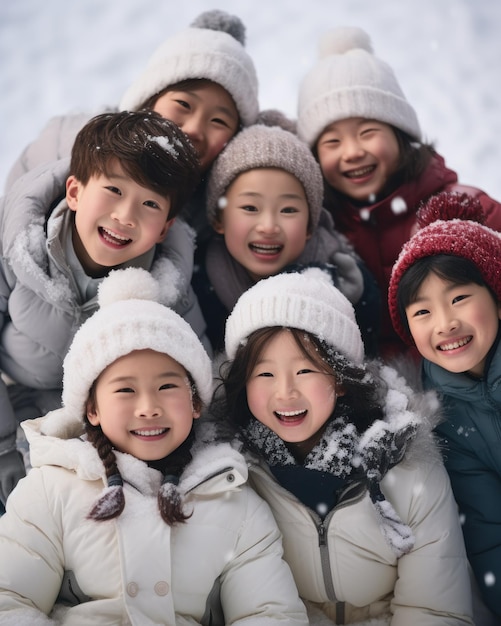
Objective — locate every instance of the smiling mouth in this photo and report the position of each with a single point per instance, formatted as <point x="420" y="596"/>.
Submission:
<point x="113" y="238"/>
<point x="266" y="249"/>
<point x="150" y="433"/>
<point x="291" y="416"/>
<point x="455" y="344"/>
<point x="361" y="172"/>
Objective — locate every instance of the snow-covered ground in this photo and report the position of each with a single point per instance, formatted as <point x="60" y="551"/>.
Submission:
<point x="59" y="56"/>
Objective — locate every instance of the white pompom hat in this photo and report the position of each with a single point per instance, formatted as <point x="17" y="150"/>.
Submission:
<point x="305" y="300"/>
<point x="129" y="318"/>
<point x="349" y="81"/>
<point x="212" y="48"/>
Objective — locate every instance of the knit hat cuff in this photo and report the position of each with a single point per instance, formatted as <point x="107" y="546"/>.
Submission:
<point x="367" y="102"/>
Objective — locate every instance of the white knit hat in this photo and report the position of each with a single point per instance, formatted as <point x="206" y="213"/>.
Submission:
<point x="349" y="81"/>
<point x="307" y="301"/>
<point x="130" y="319"/>
<point x="270" y="142"/>
<point x="212" y="48"/>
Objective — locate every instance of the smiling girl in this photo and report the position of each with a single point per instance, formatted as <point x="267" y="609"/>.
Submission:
<point x="340" y="448"/>
<point x="444" y="296"/>
<point x="376" y="165"/>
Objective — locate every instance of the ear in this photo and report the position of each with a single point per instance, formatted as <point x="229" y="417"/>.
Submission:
<point x="165" y="230"/>
<point x="218" y="224"/>
<point x="92" y="415"/>
<point x="73" y="187"/>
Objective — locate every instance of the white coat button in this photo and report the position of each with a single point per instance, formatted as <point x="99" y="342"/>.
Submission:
<point x="132" y="589"/>
<point x="161" y="588"/>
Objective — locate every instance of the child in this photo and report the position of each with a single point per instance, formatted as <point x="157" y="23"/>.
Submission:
<point x="444" y="296"/>
<point x="200" y="78"/>
<point x="264" y="201"/>
<point x="340" y="448"/>
<point x="65" y="226"/>
<point x="377" y="169"/>
<point x="176" y="530"/>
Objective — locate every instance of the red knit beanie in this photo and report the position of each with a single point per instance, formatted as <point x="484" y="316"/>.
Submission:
<point x="450" y="223"/>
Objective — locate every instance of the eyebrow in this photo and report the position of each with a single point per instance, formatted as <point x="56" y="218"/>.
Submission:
<point x="255" y="194"/>
<point x="131" y="377"/>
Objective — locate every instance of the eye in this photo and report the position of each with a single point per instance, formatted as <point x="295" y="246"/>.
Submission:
<point x="152" y="204"/>
<point x="249" y="208"/>
<point x="459" y="298"/>
<point x="289" y="210"/>
<point x="221" y="122"/>
<point x="125" y="390"/>
<point x="420" y="312"/>
<point x="114" y="189"/>
<point x="168" y="386"/>
<point x="182" y="103"/>
<point x="265" y="375"/>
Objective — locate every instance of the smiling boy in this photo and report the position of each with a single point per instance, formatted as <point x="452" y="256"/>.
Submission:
<point x="64" y="229"/>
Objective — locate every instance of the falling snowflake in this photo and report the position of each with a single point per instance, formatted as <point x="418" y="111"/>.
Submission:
<point x="489" y="579"/>
<point x="322" y="509"/>
<point x="398" y="205"/>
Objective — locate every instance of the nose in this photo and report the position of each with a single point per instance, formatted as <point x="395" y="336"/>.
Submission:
<point x="352" y="149"/>
<point x="285" y="388"/>
<point x="267" y="223"/>
<point x="446" y="322"/>
<point x="124" y="214"/>
<point x="193" y="127"/>
<point x="148" y="408"/>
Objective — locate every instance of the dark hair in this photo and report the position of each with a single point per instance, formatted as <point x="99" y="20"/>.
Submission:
<point x="111" y="504"/>
<point x="454" y="269"/>
<point x="361" y="386"/>
<point x="153" y="151"/>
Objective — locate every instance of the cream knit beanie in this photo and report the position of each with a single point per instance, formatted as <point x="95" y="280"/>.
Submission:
<point x="307" y="301"/>
<point x="129" y="319"/>
<point x="271" y="142"/>
<point x="349" y="81"/>
<point x="212" y="48"/>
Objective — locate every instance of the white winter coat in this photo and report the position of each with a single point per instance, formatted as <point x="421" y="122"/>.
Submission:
<point x="346" y="559"/>
<point x="40" y="307"/>
<point x="136" y="569"/>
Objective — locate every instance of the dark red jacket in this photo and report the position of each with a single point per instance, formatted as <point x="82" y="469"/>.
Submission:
<point x="378" y="231"/>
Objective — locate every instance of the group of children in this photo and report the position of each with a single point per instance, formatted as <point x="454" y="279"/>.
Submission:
<point x="143" y="248"/>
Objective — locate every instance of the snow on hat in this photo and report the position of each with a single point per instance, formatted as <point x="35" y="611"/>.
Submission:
<point x="451" y="223"/>
<point x="307" y="301"/>
<point x="270" y="142"/>
<point x="213" y="49"/>
<point x="130" y="318"/>
<point x="349" y="81"/>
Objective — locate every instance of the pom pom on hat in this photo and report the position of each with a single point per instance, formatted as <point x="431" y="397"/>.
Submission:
<point x="450" y="225"/>
<point x="212" y="48"/>
<point x="305" y="300"/>
<point x="129" y="319"/>
<point x="349" y="81"/>
<point x="270" y="143"/>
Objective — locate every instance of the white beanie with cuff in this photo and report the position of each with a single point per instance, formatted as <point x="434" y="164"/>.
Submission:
<point x="211" y="48"/>
<point x="349" y="81"/>
<point x="304" y="300"/>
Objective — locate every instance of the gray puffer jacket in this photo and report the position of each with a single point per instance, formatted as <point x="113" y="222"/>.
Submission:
<point x="40" y="305"/>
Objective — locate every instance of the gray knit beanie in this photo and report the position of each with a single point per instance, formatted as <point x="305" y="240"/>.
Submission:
<point x="212" y="48"/>
<point x="271" y="142"/>
<point x="349" y="81"/>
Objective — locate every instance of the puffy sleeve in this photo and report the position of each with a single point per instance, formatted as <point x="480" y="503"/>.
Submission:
<point x="30" y="552"/>
<point x="257" y="582"/>
<point x="434" y="574"/>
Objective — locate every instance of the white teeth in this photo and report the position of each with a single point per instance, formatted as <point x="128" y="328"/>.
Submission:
<point x="149" y="433"/>
<point x="266" y="247"/>
<point x="290" y="413"/>
<point x="114" y="235"/>
<point x="455" y="344"/>
<point x="361" y="172"/>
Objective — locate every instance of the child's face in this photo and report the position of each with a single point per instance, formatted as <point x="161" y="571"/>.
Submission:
<point x="206" y="113"/>
<point x="116" y="219"/>
<point x="265" y="221"/>
<point x="144" y="404"/>
<point x="358" y="156"/>
<point x="454" y="326"/>
<point x="289" y="393"/>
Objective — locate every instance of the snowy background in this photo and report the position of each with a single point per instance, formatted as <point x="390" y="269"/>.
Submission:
<point x="60" y="56"/>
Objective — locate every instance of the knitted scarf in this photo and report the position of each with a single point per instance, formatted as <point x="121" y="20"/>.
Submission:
<point x="342" y="452"/>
